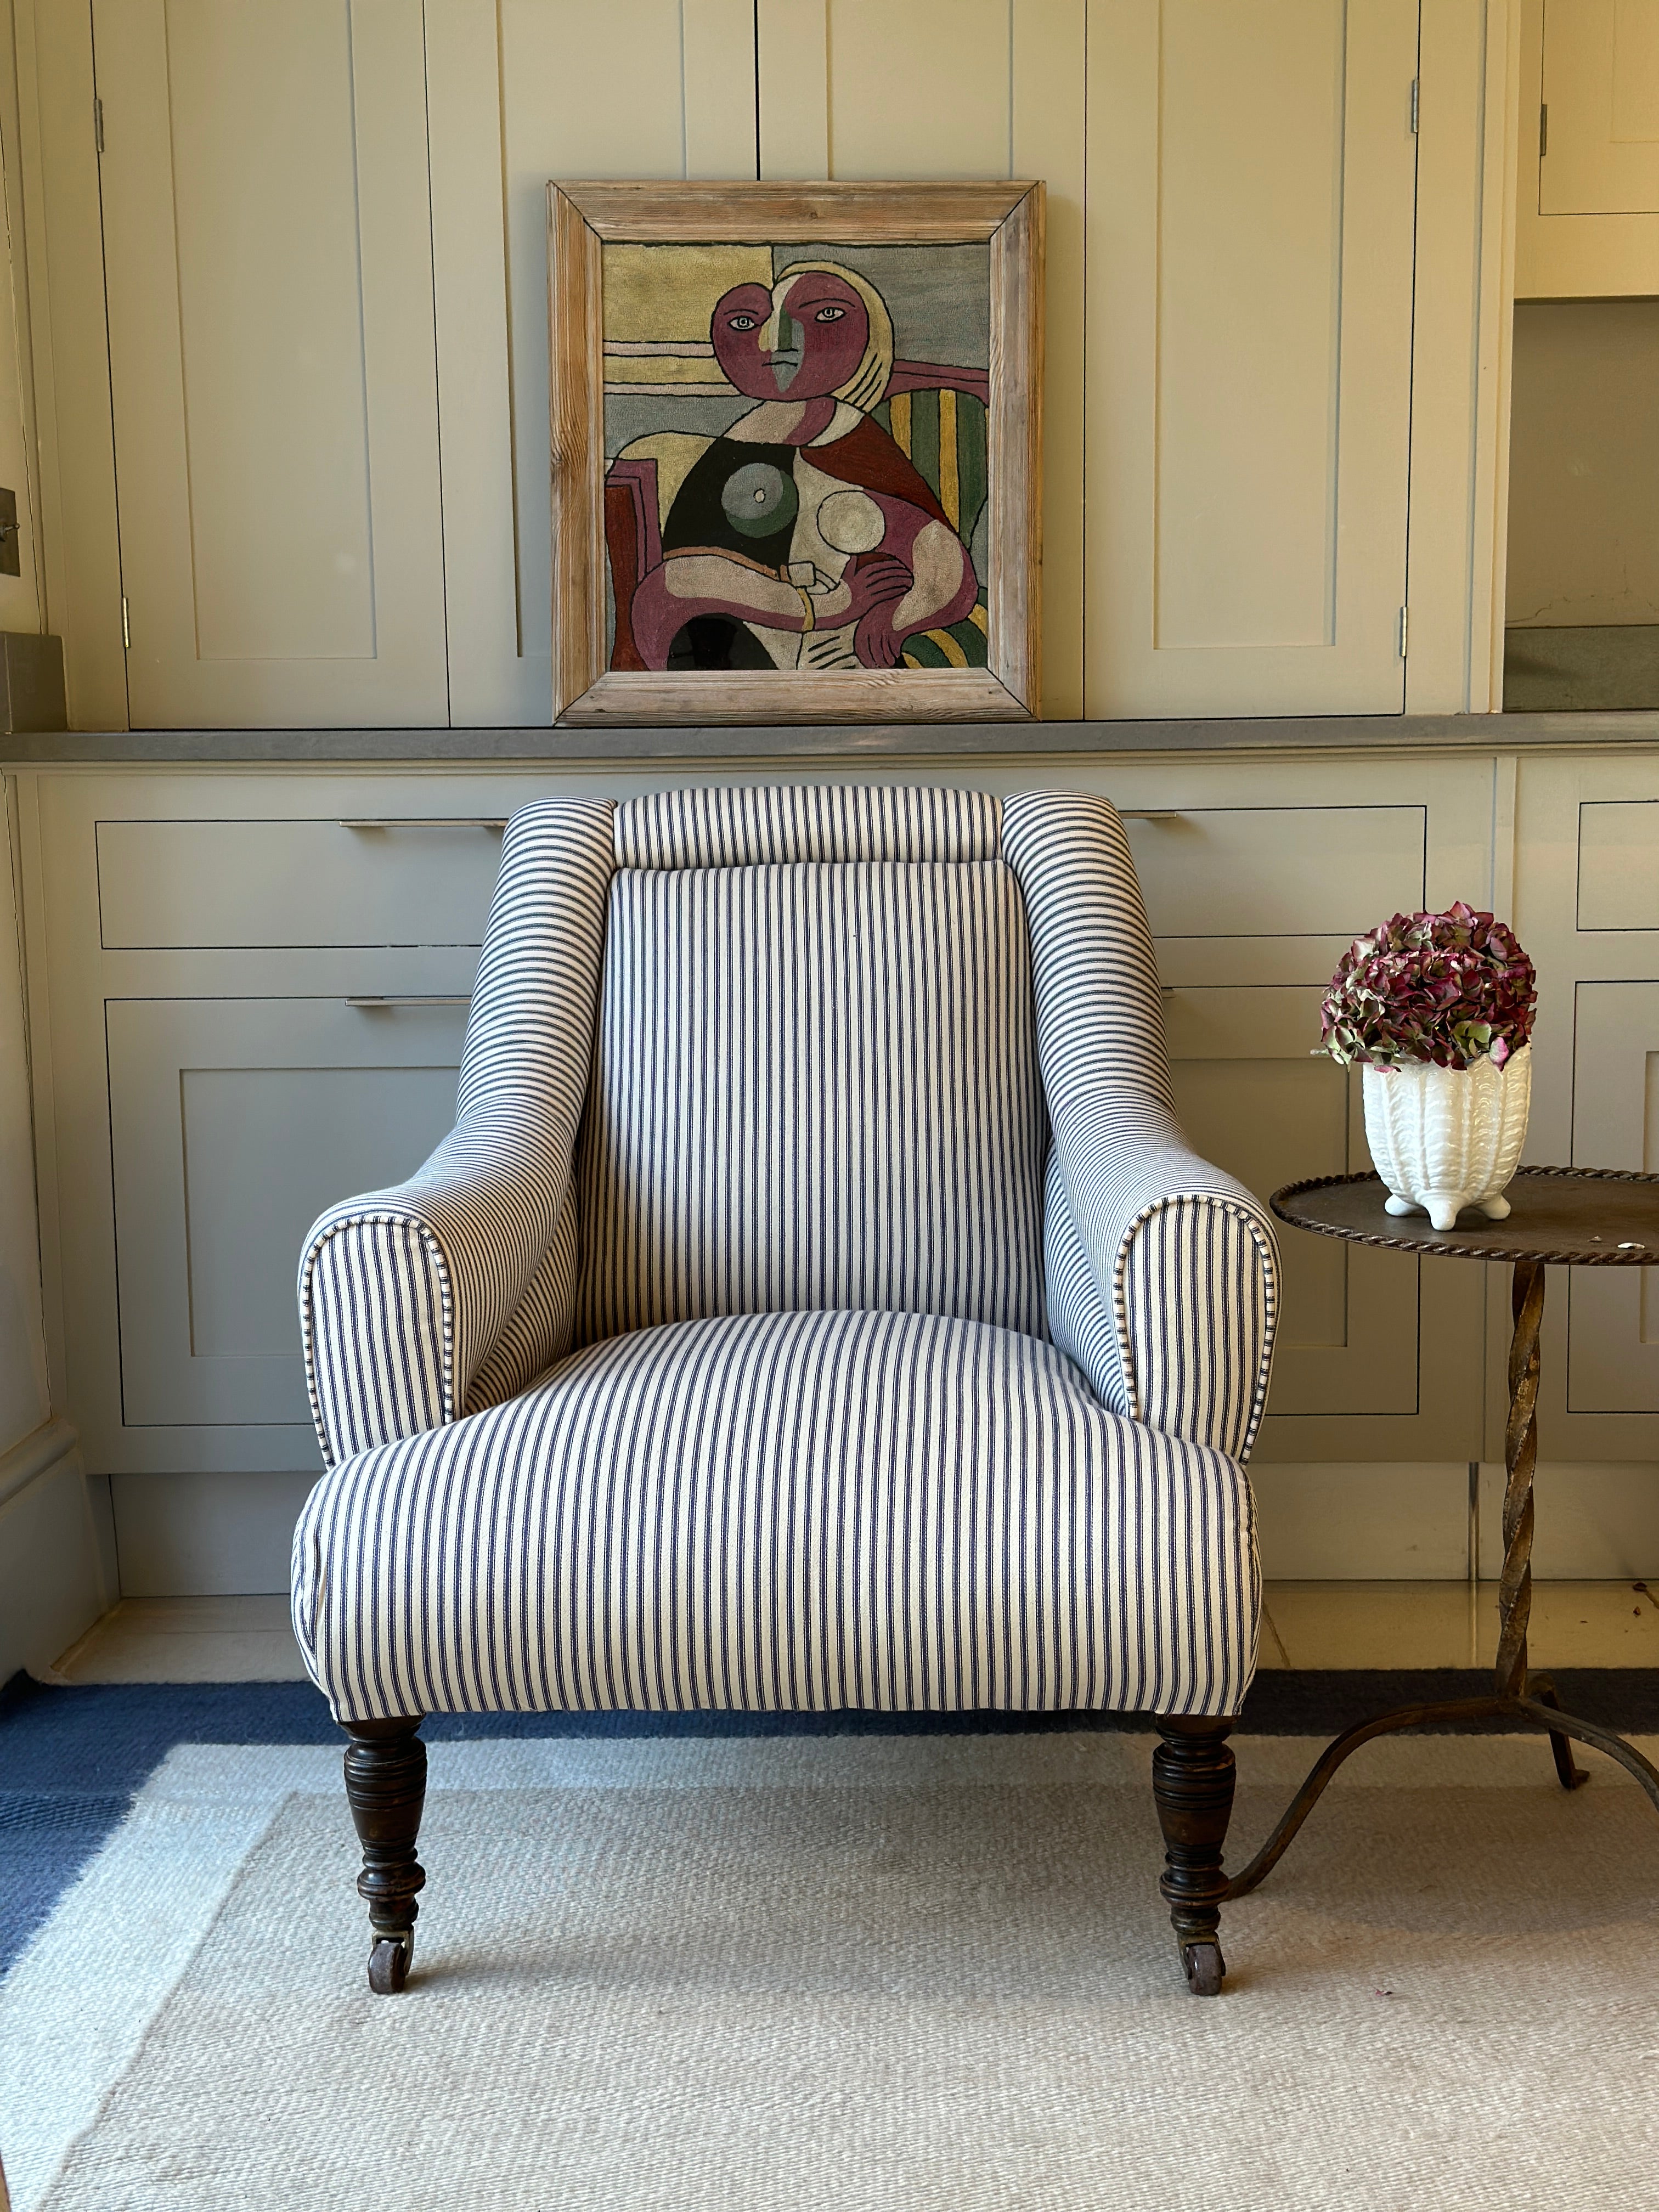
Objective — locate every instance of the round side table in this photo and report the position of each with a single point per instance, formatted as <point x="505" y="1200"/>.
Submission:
<point x="1558" y="1217"/>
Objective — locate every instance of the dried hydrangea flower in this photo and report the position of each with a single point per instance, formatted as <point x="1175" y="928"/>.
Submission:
<point x="1446" y="988"/>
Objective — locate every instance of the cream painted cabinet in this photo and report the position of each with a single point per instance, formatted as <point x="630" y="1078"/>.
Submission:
<point x="233" y="1123"/>
<point x="1612" y="1316"/>
<point x="1588" y="193"/>
<point x="268" y="273"/>
<point x="1587" y="909"/>
<point x="247" y="996"/>
<point x="323" y="246"/>
<point x="246" y="993"/>
<point x="529" y="89"/>
<point x="1251" y="196"/>
<point x="1256" y="879"/>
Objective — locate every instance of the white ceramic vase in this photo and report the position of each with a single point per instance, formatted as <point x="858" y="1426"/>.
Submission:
<point x="1445" y="1138"/>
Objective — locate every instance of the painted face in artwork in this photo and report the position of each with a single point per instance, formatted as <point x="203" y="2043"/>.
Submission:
<point x="735" y="328"/>
<point x="799" y="342"/>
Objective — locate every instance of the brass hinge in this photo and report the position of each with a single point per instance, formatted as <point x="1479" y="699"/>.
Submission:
<point x="127" y="634"/>
<point x="1543" y="130"/>
<point x="98" y="122"/>
<point x="1404" y="616"/>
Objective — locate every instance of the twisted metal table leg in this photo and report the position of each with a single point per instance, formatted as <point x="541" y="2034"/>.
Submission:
<point x="1520" y="1461"/>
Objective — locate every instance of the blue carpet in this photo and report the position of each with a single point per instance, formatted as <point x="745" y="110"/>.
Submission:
<point x="72" y="1759"/>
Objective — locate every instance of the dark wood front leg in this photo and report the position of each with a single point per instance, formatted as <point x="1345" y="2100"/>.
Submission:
<point x="385" y="1788"/>
<point x="1193" y="1789"/>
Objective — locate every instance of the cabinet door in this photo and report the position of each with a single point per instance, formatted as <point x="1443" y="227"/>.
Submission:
<point x="1613" y="1315"/>
<point x="896" y="89"/>
<point x="269" y="271"/>
<point x="234" y="1123"/>
<point x="521" y="91"/>
<point x="1587" y="199"/>
<point x="1251" y="200"/>
<point x="1600" y="152"/>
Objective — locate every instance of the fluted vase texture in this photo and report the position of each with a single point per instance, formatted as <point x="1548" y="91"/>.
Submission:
<point x="1445" y="1138"/>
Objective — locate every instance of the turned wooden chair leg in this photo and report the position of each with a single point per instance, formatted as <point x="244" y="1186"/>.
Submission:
<point x="385" y="1788"/>
<point x="1192" y="1788"/>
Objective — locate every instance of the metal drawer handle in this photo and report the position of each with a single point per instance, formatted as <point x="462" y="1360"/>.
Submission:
<point x="412" y="999"/>
<point x="1151" y="814"/>
<point x="424" y="822"/>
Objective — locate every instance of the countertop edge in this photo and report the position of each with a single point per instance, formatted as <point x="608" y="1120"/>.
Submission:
<point x="795" y="742"/>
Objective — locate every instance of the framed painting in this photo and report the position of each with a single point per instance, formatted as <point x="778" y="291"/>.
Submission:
<point x="797" y="451"/>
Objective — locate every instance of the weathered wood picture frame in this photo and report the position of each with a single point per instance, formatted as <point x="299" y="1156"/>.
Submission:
<point x="893" y="503"/>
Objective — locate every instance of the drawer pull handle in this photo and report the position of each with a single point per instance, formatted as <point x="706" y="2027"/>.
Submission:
<point x="1151" y="814"/>
<point x="392" y="999"/>
<point x="424" y="822"/>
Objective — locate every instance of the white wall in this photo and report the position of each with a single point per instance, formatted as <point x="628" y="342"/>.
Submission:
<point x="1584" y="463"/>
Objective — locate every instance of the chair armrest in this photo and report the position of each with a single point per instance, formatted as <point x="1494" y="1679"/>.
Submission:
<point x="1164" y="1274"/>
<point x="405" y="1293"/>
<point x="430" y="1300"/>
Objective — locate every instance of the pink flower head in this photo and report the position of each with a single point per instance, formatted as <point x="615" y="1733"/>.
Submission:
<point x="1446" y="988"/>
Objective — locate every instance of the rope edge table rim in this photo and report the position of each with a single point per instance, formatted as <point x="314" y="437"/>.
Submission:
<point x="1441" y="1250"/>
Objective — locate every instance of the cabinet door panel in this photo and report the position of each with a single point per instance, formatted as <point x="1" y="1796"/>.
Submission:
<point x="1602" y="88"/>
<point x="1618" y="864"/>
<point x="1256" y="1102"/>
<point x="1612" y="1317"/>
<point x="268" y="263"/>
<point x="1587" y="198"/>
<point x="235" y="1122"/>
<point x="1251" y="194"/>
<point x="519" y="91"/>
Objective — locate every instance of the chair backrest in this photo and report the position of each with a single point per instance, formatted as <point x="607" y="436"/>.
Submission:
<point x="815" y="1079"/>
<point x="797" y="1048"/>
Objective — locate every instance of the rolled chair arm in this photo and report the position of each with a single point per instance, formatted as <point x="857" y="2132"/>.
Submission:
<point x="1164" y="1274"/>
<point x="451" y="1291"/>
<point x="1162" y="1271"/>
<point x="404" y="1293"/>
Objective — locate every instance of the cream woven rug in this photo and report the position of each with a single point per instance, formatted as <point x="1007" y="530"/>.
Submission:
<point x="889" y="1974"/>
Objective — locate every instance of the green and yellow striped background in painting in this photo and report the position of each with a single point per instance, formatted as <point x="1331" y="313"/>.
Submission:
<point x="944" y="434"/>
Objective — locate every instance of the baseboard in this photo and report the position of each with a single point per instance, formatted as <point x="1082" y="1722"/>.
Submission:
<point x="1357" y="1521"/>
<point x="1595" y="1521"/>
<point x="53" y="1584"/>
<point x="205" y="1535"/>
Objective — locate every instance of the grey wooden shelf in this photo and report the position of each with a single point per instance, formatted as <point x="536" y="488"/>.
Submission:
<point x="796" y="743"/>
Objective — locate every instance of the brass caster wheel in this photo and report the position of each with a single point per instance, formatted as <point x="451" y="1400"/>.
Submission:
<point x="389" y="1964"/>
<point x="1206" y="1968"/>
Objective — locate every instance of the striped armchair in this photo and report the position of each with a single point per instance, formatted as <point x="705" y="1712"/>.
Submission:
<point x="817" y="1306"/>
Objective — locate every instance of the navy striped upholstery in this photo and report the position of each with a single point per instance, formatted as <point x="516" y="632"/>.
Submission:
<point x="814" y="1086"/>
<point x="1162" y="1270"/>
<point x="752" y="826"/>
<point x="808" y="1117"/>
<point x="799" y="1512"/>
<point x="455" y="1287"/>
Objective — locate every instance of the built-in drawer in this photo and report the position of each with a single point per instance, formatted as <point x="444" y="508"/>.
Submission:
<point x="1277" y="871"/>
<point x="408" y="880"/>
<point x="1618" y="864"/>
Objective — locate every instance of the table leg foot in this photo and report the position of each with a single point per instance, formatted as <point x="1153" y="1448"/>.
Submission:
<point x="1541" y="1690"/>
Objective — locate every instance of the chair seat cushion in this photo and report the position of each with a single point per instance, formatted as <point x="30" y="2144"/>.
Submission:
<point x="799" y="1512"/>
